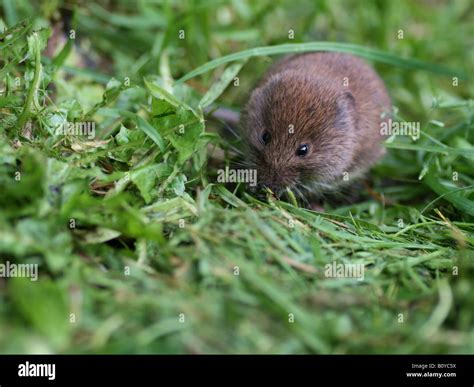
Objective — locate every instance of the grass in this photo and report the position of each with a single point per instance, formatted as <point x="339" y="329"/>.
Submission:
<point x="140" y="250"/>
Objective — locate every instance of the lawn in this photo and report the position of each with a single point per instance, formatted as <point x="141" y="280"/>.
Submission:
<point x="139" y="247"/>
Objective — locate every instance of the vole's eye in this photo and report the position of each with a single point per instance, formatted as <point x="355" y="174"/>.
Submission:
<point x="265" y="138"/>
<point x="302" y="150"/>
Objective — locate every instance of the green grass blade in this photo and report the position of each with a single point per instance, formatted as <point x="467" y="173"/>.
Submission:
<point x="364" y="52"/>
<point x="431" y="148"/>
<point x="218" y="88"/>
<point x="10" y="12"/>
<point x="459" y="201"/>
<point x="147" y="128"/>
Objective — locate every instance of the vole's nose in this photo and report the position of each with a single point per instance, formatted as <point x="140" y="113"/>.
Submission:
<point x="268" y="177"/>
<point x="273" y="187"/>
<point x="253" y="189"/>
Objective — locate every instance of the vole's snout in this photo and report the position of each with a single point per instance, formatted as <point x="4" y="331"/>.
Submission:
<point x="272" y="182"/>
<point x="253" y="189"/>
<point x="274" y="188"/>
<point x="262" y="191"/>
<point x="275" y="177"/>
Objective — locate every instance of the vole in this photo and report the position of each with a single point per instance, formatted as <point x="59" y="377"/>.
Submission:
<point x="313" y="122"/>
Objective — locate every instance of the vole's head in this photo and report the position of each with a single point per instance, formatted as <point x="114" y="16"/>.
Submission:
<point x="300" y="131"/>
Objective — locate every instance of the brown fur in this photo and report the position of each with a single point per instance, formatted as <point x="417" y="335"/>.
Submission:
<point x="341" y="124"/>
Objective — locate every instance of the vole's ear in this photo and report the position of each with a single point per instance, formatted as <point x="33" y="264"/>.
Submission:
<point x="346" y="101"/>
<point x="346" y="111"/>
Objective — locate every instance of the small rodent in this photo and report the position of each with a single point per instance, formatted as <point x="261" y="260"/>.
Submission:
<point x="313" y="120"/>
